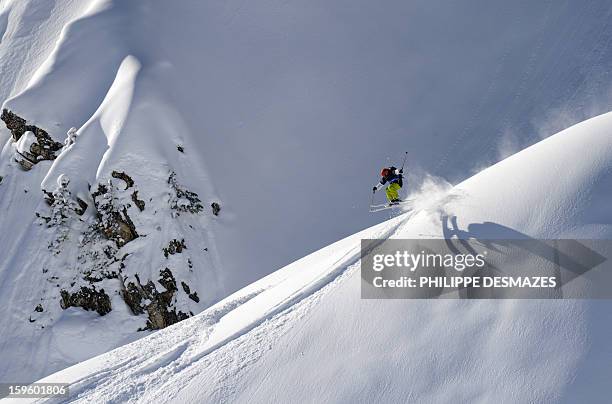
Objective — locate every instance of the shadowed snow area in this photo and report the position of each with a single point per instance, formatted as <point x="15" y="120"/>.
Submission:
<point x="303" y="333"/>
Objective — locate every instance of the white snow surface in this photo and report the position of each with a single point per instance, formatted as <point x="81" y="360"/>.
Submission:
<point x="125" y="124"/>
<point x="272" y="101"/>
<point x="302" y="334"/>
<point x="25" y="142"/>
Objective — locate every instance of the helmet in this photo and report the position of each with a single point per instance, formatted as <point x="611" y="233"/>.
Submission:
<point x="384" y="172"/>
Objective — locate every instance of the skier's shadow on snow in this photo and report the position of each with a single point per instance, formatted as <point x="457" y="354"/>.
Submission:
<point x="570" y="255"/>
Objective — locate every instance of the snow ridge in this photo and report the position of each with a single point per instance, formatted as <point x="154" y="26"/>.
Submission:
<point x="113" y="228"/>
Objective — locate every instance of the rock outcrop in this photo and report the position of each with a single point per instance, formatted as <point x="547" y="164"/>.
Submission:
<point x="113" y="219"/>
<point x="40" y="147"/>
<point x="102" y="266"/>
<point x="183" y="200"/>
<point x="156" y="303"/>
<point x="174" y="247"/>
<point x="87" y="298"/>
<point x="216" y="208"/>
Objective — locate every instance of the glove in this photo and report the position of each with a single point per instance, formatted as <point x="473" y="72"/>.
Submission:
<point x="374" y="189"/>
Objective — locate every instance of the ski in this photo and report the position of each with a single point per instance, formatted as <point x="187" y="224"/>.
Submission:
<point x="385" y="206"/>
<point x="403" y="202"/>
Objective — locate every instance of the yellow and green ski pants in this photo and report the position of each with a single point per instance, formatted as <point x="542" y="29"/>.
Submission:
<point x="392" y="191"/>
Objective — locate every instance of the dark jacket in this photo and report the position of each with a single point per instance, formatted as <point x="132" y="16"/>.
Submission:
<point x="394" y="176"/>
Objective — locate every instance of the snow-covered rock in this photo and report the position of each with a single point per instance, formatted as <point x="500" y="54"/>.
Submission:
<point x="25" y="142"/>
<point x="96" y="240"/>
<point x="32" y="144"/>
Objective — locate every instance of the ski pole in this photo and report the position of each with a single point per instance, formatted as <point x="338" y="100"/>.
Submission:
<point x="404" y="162"/>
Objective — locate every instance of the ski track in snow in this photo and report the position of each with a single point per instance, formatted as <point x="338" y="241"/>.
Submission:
<point x="154" y="369"/>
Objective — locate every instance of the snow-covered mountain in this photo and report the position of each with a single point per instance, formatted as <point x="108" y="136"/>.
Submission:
<point x="303" y="333"/>
<point x="127" y="125"/>
<point x="105" y="237"/>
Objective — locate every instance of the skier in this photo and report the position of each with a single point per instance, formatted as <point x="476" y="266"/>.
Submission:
<point x="393" y="176"/>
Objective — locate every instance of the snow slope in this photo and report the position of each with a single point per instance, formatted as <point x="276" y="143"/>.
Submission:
<point x="303" y="333"/>
<point x="111" y="224"/>
<point x="268" y="101"/>
<point x="29" y="30"/>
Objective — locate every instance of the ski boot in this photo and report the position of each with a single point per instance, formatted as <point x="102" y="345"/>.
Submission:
<point x="394" y="201"/>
